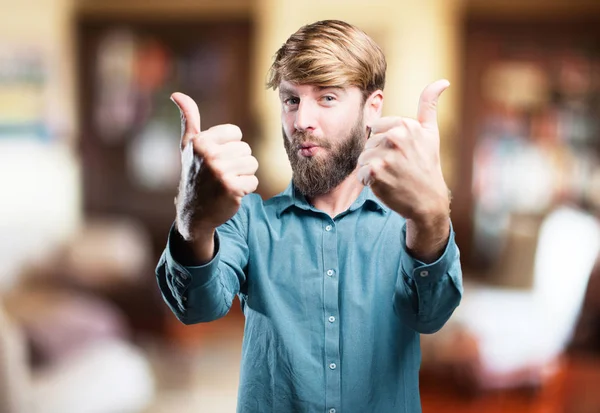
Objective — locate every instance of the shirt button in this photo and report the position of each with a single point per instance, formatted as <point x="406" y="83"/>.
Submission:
<point x="424" y="273"/>
<point x="331" y="319"/>
<point x="332" y="366"/>
<point x="331" y="410"/>
<point x="328" y="228"/>
<point x="184" y="299"/>
<point x="330" y="272"/>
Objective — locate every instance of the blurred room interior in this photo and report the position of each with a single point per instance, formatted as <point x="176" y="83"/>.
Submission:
<point x="89" y="166"/>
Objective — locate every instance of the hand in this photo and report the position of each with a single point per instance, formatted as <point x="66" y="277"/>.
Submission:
<point x="217" y="170"/>
<point x="401" y="161"/>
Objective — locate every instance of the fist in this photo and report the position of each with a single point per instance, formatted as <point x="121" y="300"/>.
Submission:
<point x="217" y="171"/>
<point x="401" y="160"/>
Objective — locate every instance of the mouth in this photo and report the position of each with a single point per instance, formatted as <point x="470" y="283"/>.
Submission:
<point x="308" y="149"/>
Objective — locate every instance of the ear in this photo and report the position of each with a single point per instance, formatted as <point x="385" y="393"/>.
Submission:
<point x="373" y="107"/>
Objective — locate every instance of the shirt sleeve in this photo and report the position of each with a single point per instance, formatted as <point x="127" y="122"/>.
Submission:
<point x="426" y="295"/>
<point x="205" y="293"/>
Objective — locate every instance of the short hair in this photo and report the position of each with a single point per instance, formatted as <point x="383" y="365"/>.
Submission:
<point x="330" y="53"/>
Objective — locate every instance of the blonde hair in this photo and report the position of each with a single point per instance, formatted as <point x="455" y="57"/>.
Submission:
<point x="330" y="53"/>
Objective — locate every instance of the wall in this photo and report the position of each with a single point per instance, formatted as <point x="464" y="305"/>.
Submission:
<point x="39" y="180"/>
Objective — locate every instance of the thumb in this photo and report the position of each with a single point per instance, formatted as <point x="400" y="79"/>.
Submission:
<point x="427" y="112"/>
<point x="190" y="117"/>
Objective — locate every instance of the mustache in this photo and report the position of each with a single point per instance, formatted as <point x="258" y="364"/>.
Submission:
<point x="300" y="137"/>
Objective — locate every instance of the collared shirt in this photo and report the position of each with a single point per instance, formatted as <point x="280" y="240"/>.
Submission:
<point x="333" y="306"/>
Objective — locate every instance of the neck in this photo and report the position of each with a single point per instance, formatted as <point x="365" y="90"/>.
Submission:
<point x="339" y="198"/>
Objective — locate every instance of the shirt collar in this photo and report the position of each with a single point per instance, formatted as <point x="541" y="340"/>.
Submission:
<point x="292" y="197"/>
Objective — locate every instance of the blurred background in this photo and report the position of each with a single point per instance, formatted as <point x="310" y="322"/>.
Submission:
<point x="89" y="166"/>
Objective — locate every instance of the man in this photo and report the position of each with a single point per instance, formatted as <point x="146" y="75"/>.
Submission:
<point x="338" y="274"/>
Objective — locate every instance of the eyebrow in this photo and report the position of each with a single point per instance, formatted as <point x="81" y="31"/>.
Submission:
<point x="287" y="91"/>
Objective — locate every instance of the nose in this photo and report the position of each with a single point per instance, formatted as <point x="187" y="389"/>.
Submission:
<point x="306" y="116"/>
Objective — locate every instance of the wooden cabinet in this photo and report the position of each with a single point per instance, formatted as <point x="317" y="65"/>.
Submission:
<point x="130" y="129"/>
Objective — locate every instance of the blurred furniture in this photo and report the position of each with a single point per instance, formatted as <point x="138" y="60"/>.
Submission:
<point x="529" y="136"/>
<point x="68" y="348"/>
<point x="518" y="336"/>
<point x="63" y="347"/>
<point x="110" y="258"/>
<point x="102" y="376"/>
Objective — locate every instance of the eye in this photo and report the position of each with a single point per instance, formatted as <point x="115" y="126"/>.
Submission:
<point x="291" y="101"/>
<point x="328" y="100"/>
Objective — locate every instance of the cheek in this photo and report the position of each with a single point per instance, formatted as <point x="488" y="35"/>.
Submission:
<point x="339" y="126"/>
<point x="287" y="122"/>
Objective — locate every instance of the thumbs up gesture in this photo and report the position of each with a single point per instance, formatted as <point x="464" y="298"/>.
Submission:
<point x="401" y="161"/>
<point x="217" y="170"/>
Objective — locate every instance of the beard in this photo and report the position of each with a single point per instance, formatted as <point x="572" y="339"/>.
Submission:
<point x="319" y="174"/>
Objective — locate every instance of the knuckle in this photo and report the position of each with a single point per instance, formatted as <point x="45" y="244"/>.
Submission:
<point x="247" y="147"/>
<point x="233" y="130"/>
<point x="243" y="148"/>
<point x="253" y="183"/>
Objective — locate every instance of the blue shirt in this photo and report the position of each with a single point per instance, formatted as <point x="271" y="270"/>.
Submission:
<point x="333" y="306"/>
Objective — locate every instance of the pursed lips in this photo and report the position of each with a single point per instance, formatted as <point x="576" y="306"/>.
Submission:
<point x="307" y="145"/>
<point x="308" y="148"/>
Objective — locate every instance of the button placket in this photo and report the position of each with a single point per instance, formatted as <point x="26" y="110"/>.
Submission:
<point x="330" y="315"/>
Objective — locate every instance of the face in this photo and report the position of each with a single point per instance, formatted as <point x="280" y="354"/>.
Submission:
<point x="324" y="133"/>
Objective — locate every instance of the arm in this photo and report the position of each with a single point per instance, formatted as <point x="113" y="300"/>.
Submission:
<point x="202" y="267"/>
<point x="205" y="292"/>
<point x="401" y="162"/>
<point x="426" y="295"/>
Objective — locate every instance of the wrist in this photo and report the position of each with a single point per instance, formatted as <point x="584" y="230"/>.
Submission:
<point x="434" y="214"/>
<point x="199" y="240"/>
<point x="204" y="244"/>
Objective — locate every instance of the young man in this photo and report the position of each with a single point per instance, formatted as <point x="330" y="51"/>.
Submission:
<point x="340" y="273"/>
